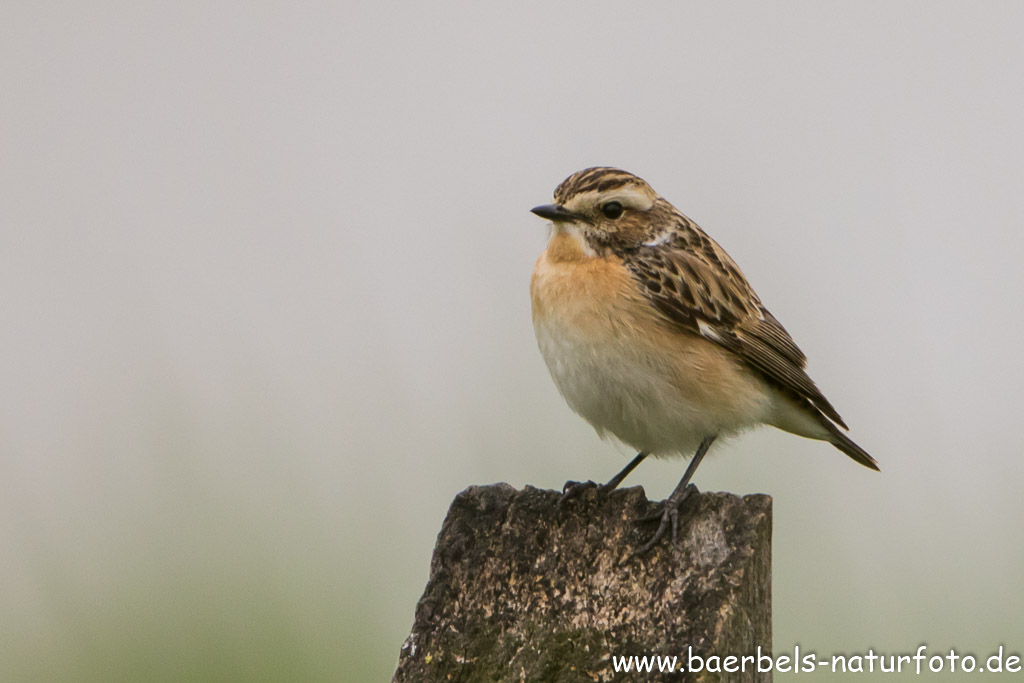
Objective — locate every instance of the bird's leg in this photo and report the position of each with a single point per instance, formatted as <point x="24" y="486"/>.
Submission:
<point x="669" y="514"/>
<point x="575" y="488"/>
<point x="617" y="479"/>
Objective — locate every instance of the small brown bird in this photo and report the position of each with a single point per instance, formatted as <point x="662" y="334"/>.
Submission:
<point x="653" y="335"/>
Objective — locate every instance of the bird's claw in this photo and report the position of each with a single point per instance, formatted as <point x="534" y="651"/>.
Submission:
<point x="668" y="517"/>
<point x="574" y="489"/>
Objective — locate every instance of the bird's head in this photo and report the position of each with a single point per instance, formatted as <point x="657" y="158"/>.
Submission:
<point x="606" y="209"/>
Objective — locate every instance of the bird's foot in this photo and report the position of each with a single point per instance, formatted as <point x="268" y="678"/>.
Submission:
<point x="668" y="518"/>
<point x="574" y="489"/>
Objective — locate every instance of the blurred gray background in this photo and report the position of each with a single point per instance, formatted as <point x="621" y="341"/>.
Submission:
<point x="263" y="284"/>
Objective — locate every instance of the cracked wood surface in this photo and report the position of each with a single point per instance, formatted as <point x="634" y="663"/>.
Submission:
<point x="521" y="590"/>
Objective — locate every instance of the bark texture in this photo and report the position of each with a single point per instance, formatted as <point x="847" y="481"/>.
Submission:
<point x="521" y="590"/>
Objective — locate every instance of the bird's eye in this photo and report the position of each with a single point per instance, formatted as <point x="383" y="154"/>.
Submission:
<point x="611" y="210"/>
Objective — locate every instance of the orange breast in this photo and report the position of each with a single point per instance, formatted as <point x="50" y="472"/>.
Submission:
<point x="581" y="291"/>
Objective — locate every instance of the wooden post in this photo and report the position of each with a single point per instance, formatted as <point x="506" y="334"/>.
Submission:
<point x="522" y="590"/>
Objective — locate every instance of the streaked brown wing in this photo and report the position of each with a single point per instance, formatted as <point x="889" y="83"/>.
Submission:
<point x="713" y="300"/>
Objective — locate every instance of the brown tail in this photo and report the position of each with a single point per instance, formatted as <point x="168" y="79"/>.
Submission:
<point x="846" y="445"/>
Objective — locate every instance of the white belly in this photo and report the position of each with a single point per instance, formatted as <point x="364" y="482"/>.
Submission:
<point x="656" y="400"/>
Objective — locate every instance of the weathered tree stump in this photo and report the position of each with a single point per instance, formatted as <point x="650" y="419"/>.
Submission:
<point x="521" y="590"/>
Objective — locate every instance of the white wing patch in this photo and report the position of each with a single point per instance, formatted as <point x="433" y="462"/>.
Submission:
<point x="661" y="239"/>
<point x="708" y="331"/>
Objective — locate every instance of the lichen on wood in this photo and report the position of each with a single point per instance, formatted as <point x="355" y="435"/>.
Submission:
<point x="521" y="589"/>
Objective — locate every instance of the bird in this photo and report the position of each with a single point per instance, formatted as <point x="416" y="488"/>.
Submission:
<point x="653" y="335"/>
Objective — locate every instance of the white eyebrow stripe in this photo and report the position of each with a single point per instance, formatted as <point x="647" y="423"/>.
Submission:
<point x="633" y="198"/>
<point x="630" y="197"/>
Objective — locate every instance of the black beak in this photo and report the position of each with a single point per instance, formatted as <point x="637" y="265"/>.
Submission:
<point x="553" y="212"/>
